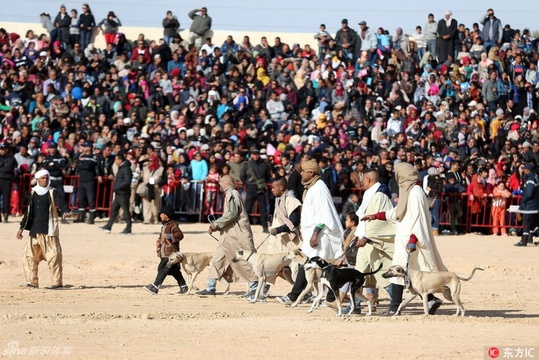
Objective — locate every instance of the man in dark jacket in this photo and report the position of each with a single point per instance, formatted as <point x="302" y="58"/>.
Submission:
<point x="122" y="192"/>
<point x="171" y="26"/>
<point x="87" y="169"/>
<point x="529" y="206"/>
<point x="7" y="167"/>
<point x="55" y="164"/>
<point x="255" y="174"/>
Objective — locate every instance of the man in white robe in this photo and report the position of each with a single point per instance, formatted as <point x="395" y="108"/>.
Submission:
<point x="415" y="246"/>
<point x="321" y="228"/>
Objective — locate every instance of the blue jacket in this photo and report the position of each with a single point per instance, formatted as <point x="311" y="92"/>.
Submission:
<point x="529" y="204"/>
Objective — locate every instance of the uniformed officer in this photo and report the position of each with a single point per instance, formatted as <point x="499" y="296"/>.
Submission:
<point x="87" y="166"/>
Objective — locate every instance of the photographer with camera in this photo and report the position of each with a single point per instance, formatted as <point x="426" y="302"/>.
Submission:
<point x="255" y="174"/>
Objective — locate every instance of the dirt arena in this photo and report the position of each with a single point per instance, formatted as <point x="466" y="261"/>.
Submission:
<point x="104" y="312"/>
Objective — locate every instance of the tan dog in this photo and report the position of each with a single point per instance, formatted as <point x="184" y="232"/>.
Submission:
<point x="265" y="265"/>
<point x="192" y="265"/>
<point x="423" y="283"/>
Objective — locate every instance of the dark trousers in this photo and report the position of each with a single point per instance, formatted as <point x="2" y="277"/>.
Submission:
<point x="86" y="193"/>
<point x="163" y="271"/>
<point x="253" y="195"/>
<point x="301" y="283"/>
<point x="5" y="192"/>
<point x="120" y="201"/>
<point x="59" y="185"/>
<point x="396" y="297"/>
<point x="529" y="223"/>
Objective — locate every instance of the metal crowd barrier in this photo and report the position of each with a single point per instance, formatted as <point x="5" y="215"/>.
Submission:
<point x="192" y="199"/>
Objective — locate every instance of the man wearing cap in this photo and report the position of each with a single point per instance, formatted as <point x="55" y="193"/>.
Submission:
<point x="529" y="206"/>
<point x="41" y="220"/>
<point x="199" y="27"/>
<point x="122" y="193"/>
<point x="87" y="168"/>
<point x="55" y="164"/>
<point x="346" y="38"/>
<point x="368" y="39"/>
<point x="235" y="234"/>
<point x="255" y="174"/>
<point x="7" y="167"/>
<point x="321" y="227"/>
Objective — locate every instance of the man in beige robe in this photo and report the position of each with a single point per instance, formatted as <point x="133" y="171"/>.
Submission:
<point x="236" y="234"/>
<point x="284" y="230"/>
<point x="375" y="238"/>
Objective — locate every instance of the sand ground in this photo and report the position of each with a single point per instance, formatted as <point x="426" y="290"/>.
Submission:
<point x="104" y="313"/>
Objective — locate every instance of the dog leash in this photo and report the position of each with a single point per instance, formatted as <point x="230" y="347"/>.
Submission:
<point x="407" y="281"/>
<point x="258" y="247"/>
<point x="211" y="218"/>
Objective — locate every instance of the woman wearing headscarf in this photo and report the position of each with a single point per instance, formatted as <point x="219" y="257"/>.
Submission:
<point x="415" y="247"/>
<point x="235" y="234"/>
<point x="152" y="174"/>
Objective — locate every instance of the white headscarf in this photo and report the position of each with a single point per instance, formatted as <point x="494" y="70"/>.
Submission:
<point x="448" y="21"/>
<point x="367" y="196"/>
<point x="40" y="190"/>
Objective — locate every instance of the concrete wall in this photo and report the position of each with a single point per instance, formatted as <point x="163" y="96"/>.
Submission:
<point x="155" y="33"/>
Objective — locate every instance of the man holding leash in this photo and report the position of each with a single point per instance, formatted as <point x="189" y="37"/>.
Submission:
<point x="376" y="238"/>
<point x="285" y="227"/>
<point x="236" y="234"/>
<point x="321" y="226"/>
<point x="415" y="246"/>
<point x="41" y="220"/>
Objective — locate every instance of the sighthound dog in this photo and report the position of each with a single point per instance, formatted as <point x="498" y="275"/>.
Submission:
<point x="192" y="265"/>
<point x="334" y="278"/>
<point x="265" y="265"/>
<point x="423" y="283"/>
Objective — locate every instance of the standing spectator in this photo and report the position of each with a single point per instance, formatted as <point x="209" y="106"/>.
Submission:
<point x="420" y="42"/>
<point x="41" y="220"/>
<point x="529" y="206"/>
<point x="74" y="30"/>
<point x="430" y="31"/>
<point x="87" y="169"/>
<point x="200" y="26"/>
<point x="210" y="189"/>
<point x="152" y="174"/>
<point x="62" y="23"/>
<point x="323" y="38"/>
<point x="447" y="32"/>
<point x="255" y="174"/>
<point x="369" y="43"/>
<point x="167" y="243"/>
<point x="49" y="26"/>
<point x="122" y="192"/>
<point x="110" y="26"/>
<point x="86" y="26"/>
<point x="55" y="164"/>
<point x="235" y="234"/>
<point x="346" y="38"/>
<point x="171" y="26"/>
<point x="492" y="30"/>
<point x="7" y="167"/>
<point x="499" y="207"/>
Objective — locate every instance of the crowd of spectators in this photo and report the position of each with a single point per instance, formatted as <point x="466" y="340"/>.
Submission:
<point x="459" y="103"/>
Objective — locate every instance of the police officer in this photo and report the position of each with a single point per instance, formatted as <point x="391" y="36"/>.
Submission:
<point x="55" y="164"/>
<point x="255" y="174"/>
<point x="7" y="168"/>
<point x="87" y="166"/>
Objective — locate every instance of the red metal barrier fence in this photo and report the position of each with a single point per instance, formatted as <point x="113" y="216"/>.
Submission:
<point x="200" y="199"/>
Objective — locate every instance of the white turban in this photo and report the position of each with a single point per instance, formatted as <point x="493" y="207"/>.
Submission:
<point x="41" y="173"/>
<point x="40" y="190"/>
<point x="448" y="12"/>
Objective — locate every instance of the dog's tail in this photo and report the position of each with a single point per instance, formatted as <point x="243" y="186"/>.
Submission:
<point x="471" y="276"/>
<point x="374" y="272"/>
